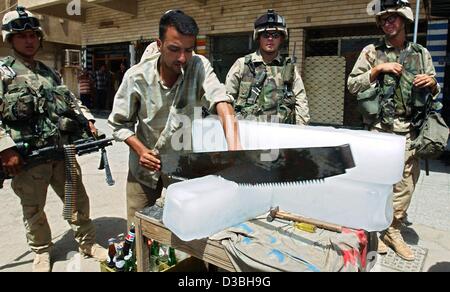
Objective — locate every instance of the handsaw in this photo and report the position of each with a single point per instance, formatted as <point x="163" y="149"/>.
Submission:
<point x="252" y="167"/>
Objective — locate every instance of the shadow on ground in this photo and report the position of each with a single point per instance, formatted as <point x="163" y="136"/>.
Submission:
<point x="106" y="228"/>
<point x="442" y="164"/>
<point x="440" y="267"/>
<point x="66" y="245"/>
<point x="410" y="235"/>
<point x="101" y="114"/>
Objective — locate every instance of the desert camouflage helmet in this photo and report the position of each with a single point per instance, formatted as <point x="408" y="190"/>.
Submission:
<point x="270" y="21"/>
<point x="401" y="7"/>
<point x="18" y="21"/>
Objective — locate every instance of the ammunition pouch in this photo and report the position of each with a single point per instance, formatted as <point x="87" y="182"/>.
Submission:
<point x="421" y="104"/>
<point x="244" y="92"/>
<point x="377" y="103"/>
<point x="18" y="104"/>
<point x="68" y="125"/>
<point x="249" y="111"/>
<point x="286" y="109"/>
<point x="61" y="100"/>
<point x="387" y="107"/>
<point x="369" y="104"/>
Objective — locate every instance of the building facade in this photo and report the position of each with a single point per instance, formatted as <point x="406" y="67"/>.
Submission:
<point x="118" y="31"/>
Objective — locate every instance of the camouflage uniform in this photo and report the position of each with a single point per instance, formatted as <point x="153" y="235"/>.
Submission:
<point x="240" y="79"/>
<point x="160" y="111"/>
<point x="359" y="80"/>
<point x="31" y="184"/>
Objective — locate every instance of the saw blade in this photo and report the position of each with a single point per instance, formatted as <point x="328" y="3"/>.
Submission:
<point x="256" y="167"/>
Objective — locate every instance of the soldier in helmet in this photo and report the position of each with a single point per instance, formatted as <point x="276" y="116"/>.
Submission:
<point x="31" y="113"/>
<point x="265" y="84"/>
<point x="385" y="78"/>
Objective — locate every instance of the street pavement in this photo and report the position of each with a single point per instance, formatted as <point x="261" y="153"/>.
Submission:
<point x="429" y="214"/>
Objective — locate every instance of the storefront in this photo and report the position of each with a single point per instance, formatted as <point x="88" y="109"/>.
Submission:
<point x="226" y="28"/>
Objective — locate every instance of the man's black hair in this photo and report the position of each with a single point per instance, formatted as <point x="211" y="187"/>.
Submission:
<point x="183" y="23"/>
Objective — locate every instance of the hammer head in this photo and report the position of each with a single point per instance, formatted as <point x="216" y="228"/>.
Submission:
<point x="273" y="214"/>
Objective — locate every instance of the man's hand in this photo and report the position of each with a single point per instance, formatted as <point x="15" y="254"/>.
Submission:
<point x="394" y="68"/>
<point x="423" y="80"/>
<point x="147" y="158"/>
<point x="11" y="162"/>
<point x="230" y="125"/>
<point x="93" y="129"/>
<point x="150" y="160"/>
<point x="389" y="68"/>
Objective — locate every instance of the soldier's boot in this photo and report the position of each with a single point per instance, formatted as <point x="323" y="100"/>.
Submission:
<point x="405" y="221"/>
<point x="393" y="238"/>
<point x="41" y="263"/>
<point x="382" y="247"/>
<point x="95" y="251"/>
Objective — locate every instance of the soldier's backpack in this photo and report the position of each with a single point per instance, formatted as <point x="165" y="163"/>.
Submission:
<point x="433" y="137"/>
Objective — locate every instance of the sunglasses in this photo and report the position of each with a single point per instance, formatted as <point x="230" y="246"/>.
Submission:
<point x="274" y="35"/>
<point x="391" y="19"/>
<point x="22" y="24"/>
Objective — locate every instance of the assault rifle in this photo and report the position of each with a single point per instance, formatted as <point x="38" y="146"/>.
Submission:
<point x="288" y="102"/>
<point x="52" y="153"/>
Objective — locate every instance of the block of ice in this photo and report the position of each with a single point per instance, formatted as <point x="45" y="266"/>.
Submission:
<point x="201" y="207"/>
<point x="353" y="204"/>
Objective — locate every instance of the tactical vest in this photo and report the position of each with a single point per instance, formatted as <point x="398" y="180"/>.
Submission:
<point x="399" y="101"/>
<point x="269" y="98"/>
<point x="34" y="107"/>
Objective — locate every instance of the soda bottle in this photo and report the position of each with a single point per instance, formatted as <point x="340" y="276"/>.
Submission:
<point x="163" y="258"/>
<point x="172" y="257"/>
<point x="155" y="248"/>
<point x="111" y="253"/>
<point x="120" y="237"/>
<point x="120" y="261"/>
<point x="130" y="262"/>
<point x="120" y="266"/>
<point x="129" y="240"/>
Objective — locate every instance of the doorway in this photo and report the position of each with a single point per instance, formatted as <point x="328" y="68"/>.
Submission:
<point x="227" y="49"/>
<point x="111" y="55"/>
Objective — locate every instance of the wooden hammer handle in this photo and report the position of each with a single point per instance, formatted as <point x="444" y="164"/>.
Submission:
<point x="317" y="223"/>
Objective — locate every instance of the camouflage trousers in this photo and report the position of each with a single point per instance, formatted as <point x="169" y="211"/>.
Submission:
<point x="404" y="190"/>
<point x="31" y="187"/>
<point x="140" y="196"/>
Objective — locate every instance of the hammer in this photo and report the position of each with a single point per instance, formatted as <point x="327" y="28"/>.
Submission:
<point x="275" y="213"/>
